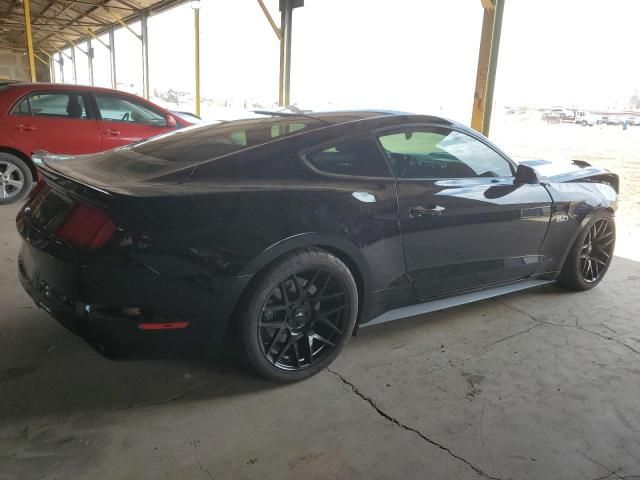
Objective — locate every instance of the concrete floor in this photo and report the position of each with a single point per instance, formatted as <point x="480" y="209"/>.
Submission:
<point x="536" y="385"/>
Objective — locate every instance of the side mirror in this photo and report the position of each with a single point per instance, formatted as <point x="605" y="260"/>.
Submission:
<point x="525" y="174"/>
<point x="171" y="122"/>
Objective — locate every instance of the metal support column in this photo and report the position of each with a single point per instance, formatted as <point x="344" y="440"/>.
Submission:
<point x="144" y="38"/>
<point x="61" y="66"/>
<point x="112" y="58"/>
<point x="90" y="60"/>
<point x="487" y="65"/>
<point x="73" y="62"/>
<point x="27" y="23"/>
<point x="52" y="70"/>
<point x="196" y="29"/>
<point x="286" y="15"/>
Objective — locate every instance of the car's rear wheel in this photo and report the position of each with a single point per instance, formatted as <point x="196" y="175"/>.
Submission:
<point x="590" y="255"/>
<point x="15" y="178"/>
<point x="299" y="316"/>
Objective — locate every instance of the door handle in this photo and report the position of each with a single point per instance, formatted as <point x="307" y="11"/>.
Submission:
<point x="111" y="132"/>
<point x="420" y="211"/>
<point x="25" y="128"/>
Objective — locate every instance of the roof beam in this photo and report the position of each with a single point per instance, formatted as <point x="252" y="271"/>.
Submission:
<point x="275" y="28"/>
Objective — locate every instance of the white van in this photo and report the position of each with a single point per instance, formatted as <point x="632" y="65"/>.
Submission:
<point x="586" y="118"/>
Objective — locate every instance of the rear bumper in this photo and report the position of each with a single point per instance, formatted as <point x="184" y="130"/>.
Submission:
<point x="96" y="301"/>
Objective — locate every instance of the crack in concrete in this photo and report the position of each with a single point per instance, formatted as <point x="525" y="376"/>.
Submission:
<point x="197" y="457"/>
<point x="179" y="396"/>
<point x="509" y="337"/>
<point x="562" y="325"/>
<point x="395" y="421"/>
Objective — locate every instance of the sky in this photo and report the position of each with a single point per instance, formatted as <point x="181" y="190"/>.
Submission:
<point x="413" y="55"/>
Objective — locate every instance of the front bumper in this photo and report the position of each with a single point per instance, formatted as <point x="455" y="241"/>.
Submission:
<point x="94" y="300"/>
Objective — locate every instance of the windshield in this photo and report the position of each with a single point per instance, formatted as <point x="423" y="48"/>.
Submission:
<point x="201" y="143"/>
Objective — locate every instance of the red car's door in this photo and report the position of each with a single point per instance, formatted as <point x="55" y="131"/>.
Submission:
<point x="55" y="121"/>
<point x="124" y="120"/>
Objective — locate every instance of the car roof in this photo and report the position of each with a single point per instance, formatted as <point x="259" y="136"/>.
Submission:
<point x="20" y="88"/>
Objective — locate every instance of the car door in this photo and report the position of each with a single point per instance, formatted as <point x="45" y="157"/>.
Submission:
<point x="464" y="222"/>
<point x="123" y="120"/>
<point x="56" y="121"/>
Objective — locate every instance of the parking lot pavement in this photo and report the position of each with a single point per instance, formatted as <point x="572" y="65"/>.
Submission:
<point x="539" y="384"/>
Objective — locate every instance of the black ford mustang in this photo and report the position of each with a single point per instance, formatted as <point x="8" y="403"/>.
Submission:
<point x="286" y="233"/>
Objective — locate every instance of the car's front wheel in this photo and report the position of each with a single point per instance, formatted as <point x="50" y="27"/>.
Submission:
<point x="15" y="178"/>
<point x="299" y="316"/>
<point x="591" y="254"/>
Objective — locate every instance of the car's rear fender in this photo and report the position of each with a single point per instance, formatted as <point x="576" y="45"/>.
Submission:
<point x="346" y="251"/>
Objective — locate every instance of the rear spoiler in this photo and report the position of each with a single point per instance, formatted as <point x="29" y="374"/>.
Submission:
<point x="45" y="166"/>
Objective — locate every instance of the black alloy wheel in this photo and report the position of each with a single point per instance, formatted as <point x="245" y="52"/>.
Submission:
<point x="300" y="316"/>
<point x="591" y="254"/>
<point x="596" y="250"/>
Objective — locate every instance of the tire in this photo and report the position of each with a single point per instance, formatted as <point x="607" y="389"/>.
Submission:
<point x="590" y="254"/>
<point x="299" y="315"/>
<point x="584" y="123"/>
<point x="15" y="179"/>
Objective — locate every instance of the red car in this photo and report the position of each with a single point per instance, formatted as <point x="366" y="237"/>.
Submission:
<point x="68" y="119"/>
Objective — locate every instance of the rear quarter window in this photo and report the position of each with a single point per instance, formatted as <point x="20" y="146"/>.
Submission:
<point x="355" y="157"/>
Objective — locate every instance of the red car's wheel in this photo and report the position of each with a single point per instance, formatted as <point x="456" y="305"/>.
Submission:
<point x="15" y="178"/>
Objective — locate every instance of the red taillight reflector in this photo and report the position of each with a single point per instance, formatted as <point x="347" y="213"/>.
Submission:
<point x="163" y="326"/>
<point x="37" y="189"/>
<point x="86" y="226"/>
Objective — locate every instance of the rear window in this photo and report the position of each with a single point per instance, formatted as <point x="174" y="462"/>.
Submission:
<point x="201" y="143"/>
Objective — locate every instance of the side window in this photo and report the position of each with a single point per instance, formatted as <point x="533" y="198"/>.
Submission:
<point x="22" y="108"/>
<point x="442" y="153"/>
<point x="57" y="104"/>
<point x="119" y="109"/>
<point x="354" y="157"/>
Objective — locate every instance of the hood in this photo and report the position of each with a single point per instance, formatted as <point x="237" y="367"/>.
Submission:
<point x="576" y="171"/>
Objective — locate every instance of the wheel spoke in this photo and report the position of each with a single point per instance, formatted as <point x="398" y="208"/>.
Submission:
<point x="274" y="308"/>
<point x="286" y="347"/>
<point x="325" y="321"/>
<point x="312" y="281"/>
<point x="296" y="283"/>
<point x="324" y="286"/>
<point x="585" y="268"/>
<point x="283" y="290"/>
<point x="334" y="310"/>
<point x="275" y="337"/>
<point x="297" y="353"/>
<point x="607" y="254"/>
<point x="323" y="340"/>
<point x="15" y="183"/>
<point x="10" y="169"/>
<point x="597" y="260"/>
<point x="606" y="244"/>
<point x="332" y="296"/>
<point x="606" y="235"/>
<point x="309" y="347"/>
<point x="277" y="323"/>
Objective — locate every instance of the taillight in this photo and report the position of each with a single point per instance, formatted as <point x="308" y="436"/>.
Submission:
<point x="86" y="226"/>
<point x="37" y="189"/>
